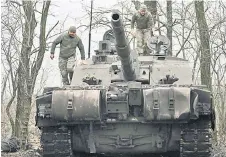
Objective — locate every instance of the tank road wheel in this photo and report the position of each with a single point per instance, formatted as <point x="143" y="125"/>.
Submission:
<point x="56" y="142"/>
<point x="196" y="138"/>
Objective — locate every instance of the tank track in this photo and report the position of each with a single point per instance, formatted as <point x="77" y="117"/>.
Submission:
<point x="56" y="142"/>
<point x="196" y="138"/>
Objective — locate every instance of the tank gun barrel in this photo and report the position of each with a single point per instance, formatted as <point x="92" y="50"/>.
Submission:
<point x="122" y="47"/>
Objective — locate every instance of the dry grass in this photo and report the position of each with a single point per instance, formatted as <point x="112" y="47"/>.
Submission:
<point x="28" y="153"/>
<point x="34" y="134"/>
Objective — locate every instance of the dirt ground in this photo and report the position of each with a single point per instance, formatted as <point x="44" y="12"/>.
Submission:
<point x="28" y="153"/>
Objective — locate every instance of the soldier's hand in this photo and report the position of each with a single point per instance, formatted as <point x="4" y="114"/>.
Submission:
<point x="52" y="56"/>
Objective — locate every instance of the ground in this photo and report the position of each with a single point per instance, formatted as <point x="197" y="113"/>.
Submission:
<point x="29" y="153"/>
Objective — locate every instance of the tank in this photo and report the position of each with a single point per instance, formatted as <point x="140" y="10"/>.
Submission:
<point x="123" y="104"/>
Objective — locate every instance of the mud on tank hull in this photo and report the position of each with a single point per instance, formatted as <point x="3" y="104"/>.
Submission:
<point x="87" y="128"/>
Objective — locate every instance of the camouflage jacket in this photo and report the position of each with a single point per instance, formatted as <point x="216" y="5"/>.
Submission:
<point x="68" y="46"/>
<point x="143" y="22"/>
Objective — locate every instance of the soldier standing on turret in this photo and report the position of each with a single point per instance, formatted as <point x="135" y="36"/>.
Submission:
<point x="144" y="24"/>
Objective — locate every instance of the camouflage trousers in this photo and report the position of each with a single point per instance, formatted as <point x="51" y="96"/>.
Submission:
<point x="142" y="36"/>
<point x="66" y="68"/>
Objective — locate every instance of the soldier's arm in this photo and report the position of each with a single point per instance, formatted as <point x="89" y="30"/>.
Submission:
<point x="133" y="21"/>
<point x="56" y="42"/>
<point x="150" y="22"/>
<point x="81" y="49"/>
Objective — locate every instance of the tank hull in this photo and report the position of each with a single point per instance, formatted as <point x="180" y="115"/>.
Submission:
<point x="127" y="138"/>
<point x="178" y="140"/>
<point x="96" y="121"/>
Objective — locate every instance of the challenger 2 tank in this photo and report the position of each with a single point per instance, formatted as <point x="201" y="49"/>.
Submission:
<point x="122" y="103"/>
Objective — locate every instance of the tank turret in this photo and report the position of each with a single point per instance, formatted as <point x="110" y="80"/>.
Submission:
<point x="122" y="48"/>
<point x="106" y="52"/>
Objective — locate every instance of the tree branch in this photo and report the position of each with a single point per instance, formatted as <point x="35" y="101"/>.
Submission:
<point x="51" y="30"/>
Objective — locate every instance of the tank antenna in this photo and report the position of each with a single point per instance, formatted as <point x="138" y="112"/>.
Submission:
<point x="90" y="27"/>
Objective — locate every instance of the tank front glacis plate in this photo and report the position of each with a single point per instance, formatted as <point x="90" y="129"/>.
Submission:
<point x="127" y="138"/>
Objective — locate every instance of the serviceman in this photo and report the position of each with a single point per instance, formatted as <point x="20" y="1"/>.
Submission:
<point x="144" y="25"/>
<point x="68" y="43"/>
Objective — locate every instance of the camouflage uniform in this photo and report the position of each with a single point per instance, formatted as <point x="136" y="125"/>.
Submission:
<point x="68" y="47"/>
<point x="63" y="64"/>
<point x="143" y="29"/>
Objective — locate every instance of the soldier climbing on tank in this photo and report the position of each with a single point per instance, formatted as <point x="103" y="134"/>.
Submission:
<point x="68" y="43"/>
<point x="144" y="25"/>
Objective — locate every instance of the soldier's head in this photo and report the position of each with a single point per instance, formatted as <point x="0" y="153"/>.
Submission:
<point x="143" y="9"/>
<point x="72" y="31"/>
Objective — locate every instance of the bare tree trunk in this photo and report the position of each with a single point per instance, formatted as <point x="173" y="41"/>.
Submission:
<point x="11" y="119"/>
<point x="169" y="25"/>
<point x="23" y="61"/>
<point x="183" y="14"/>
<point x="27" y="77"/>
<point x="24" y="93"/>
<point x="152" y="8"/>
<point x="14" y="85"/>
<point x="137" y="4"/>
<point x="4" y="82"/>
<point x="205" y="60"/>
<point x="42" y="43"/>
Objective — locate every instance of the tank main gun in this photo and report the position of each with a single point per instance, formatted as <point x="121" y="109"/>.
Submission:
<point x="122" y="47"/>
